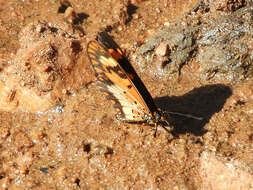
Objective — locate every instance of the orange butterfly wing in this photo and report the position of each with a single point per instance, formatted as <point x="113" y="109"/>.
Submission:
<point x="129" y="95"/>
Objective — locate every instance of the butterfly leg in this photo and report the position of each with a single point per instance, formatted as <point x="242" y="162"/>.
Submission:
<point x="156" y="125"/>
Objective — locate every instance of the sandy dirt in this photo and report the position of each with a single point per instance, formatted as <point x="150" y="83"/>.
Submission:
<point x="57" y="131"/>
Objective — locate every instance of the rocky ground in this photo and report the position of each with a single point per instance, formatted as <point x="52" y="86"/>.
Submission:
<point x="57" y="131"/>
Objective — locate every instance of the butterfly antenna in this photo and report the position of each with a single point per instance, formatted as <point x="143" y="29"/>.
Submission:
<point x="186" y="115"/>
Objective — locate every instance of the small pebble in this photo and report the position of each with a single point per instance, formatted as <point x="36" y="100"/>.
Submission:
<point x="44" y="170"/>
<point x="162" y="49"/>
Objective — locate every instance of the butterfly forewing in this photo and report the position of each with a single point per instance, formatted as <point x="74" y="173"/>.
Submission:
<point x="117" y="83"/>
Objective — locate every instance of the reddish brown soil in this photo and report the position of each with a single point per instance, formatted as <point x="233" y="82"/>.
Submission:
<point x="57" y="131"/>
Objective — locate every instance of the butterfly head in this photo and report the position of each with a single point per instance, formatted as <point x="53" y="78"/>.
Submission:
<point x="159" y="117"/>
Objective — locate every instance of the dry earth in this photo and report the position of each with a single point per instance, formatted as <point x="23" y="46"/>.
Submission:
<point x="57" y="131"/>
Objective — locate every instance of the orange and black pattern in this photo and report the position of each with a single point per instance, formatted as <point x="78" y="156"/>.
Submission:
<point x="120" y="82"/>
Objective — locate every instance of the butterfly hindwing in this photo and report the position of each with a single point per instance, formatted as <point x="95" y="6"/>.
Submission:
<point x="122" y="88"/>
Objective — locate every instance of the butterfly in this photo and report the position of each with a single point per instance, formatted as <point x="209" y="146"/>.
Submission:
<point x="119" y="81"/>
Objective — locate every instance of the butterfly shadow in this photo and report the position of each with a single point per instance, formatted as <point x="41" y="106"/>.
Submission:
<point x="201" y="102"/>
